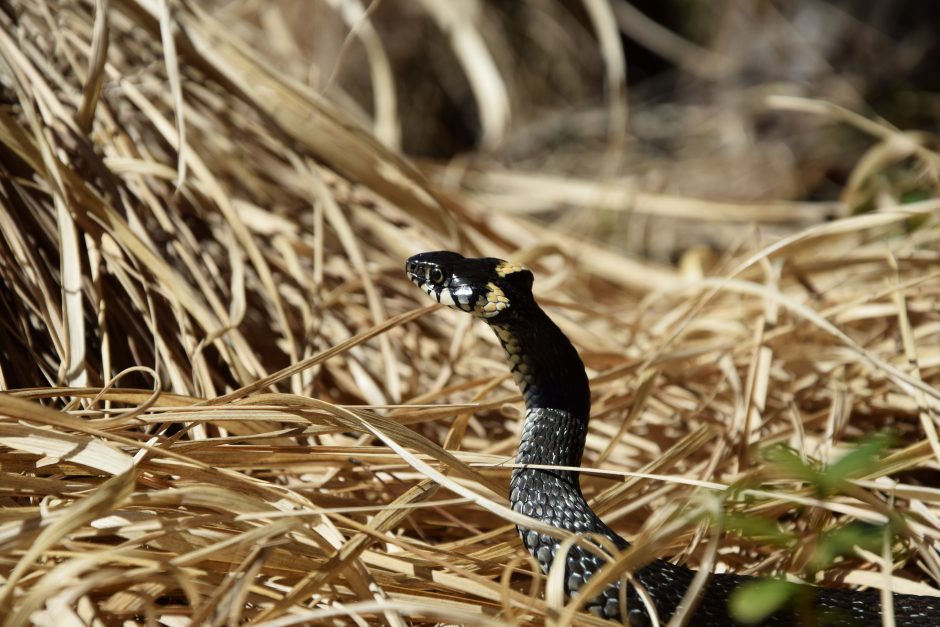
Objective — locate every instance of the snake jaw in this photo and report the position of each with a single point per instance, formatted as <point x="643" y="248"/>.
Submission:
<point x="459" y="298"/>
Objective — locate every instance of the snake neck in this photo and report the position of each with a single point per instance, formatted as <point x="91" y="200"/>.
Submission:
<point x="551" y="376"/>
<point x="544" y="363"/>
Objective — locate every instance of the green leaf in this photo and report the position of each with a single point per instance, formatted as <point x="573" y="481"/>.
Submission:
<point x="754" y="601"/>
<point x="855" y="463"/>
<point x="843" y="540"/>
<point x="786" y="460"/>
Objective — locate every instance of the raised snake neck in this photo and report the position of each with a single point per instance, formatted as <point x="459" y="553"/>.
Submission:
<point x="551" y="376"/>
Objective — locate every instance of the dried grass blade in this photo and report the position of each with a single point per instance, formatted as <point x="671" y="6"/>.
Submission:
<point x="176" y="89"/>
<point x="347" y="237"/>
<point x="386" y="125"/>
<point x="92" y="453"/>
<point x="386" y="520"/>
<point x="312" y="121"/>
<point x="928" y="414"/>
<point x="224" y="204"/>
<point x="321" y="357"/>
<point x="615" y="67"/>
<point x="72" y="306"/>
<point x="72" y="322"/>
<point x="459" y="22"/>
<point x="91" y="90"/>
<point x="105" y="498"/>
<point x="28" y="411"/>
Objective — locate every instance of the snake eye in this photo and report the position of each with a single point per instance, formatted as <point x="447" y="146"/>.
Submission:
<point x="436" y="276"/>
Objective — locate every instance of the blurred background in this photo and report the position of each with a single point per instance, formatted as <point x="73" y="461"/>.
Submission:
<point x="671" y="98"/>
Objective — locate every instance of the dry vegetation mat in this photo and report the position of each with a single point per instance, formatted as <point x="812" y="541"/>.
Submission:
<point x="223" y="402"/>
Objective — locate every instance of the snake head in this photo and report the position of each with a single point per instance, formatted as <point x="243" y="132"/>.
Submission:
<point x="485" y="287"/>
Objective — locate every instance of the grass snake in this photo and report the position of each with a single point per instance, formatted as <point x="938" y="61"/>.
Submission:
<point x="551" y="376"/>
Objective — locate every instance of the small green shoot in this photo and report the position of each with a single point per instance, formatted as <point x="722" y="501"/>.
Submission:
<point x="843" y="540"/>
<point x="829" y="481"/>
<point x="754" y="601"/>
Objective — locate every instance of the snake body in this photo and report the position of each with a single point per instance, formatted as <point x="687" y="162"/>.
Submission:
<point x="551" y="376"/>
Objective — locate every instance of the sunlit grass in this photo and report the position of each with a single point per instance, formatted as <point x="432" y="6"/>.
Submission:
<point x="223" y="402"/>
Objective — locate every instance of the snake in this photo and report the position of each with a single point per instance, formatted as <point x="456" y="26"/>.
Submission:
<point x="551" y="376"/>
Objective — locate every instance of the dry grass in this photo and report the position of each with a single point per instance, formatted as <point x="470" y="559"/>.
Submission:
<point x="224" y="403"/>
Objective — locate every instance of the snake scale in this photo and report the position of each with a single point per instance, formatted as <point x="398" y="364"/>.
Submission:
<point x="551" y="376"/>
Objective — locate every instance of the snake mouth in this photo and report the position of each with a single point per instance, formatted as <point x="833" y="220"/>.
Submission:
<point x="442" y="294"/>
